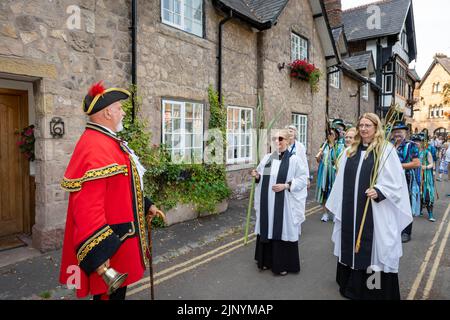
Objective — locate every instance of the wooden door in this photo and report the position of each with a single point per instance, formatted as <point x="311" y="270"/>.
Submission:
<point x="14" y="167"/>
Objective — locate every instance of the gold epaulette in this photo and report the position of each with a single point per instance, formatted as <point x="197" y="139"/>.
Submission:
<point x="73" y="185"/>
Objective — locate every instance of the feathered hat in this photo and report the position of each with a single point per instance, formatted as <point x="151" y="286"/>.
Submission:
<point x="99" y="98"/>
<point x="400" y="125"/>
<point x="339" y="122"/>
<point x="418" y="137"/>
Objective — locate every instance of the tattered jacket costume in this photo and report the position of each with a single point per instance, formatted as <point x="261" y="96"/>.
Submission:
<point x="106" y="212"/>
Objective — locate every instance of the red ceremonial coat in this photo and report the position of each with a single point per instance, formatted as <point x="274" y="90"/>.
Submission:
<point x="105" y="216"/>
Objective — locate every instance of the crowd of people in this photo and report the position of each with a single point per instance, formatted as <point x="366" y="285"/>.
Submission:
<point x="371" y="182"/>
<point x="369" y="187"/>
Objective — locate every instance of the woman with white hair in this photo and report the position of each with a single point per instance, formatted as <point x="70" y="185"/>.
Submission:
<point x="279" y="213"/>
<point x="378" y="228"/>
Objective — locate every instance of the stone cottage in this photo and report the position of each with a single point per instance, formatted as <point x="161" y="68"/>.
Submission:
<point x="52" y="51"/>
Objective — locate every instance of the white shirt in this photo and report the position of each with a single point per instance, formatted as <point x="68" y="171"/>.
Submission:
<point x="140" y="168"/>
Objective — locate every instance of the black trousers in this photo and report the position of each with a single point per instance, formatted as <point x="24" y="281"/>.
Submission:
<point x="119" y="294"/>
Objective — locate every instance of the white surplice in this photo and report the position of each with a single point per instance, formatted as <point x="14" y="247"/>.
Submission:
<point x="294" y="212"/>
<point x="390" y="216"/>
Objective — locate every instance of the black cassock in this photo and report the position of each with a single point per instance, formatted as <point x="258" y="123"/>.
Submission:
<point x="352" y="269"/>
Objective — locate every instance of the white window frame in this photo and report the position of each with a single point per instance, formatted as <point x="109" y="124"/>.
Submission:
<point x="386" y="89"/>
<point x="365" y="91"/>
<point x="300" y="121"/>
<point x="404" y="40"/>
<point x="335" y="77"/>
<point x="299" y="47"/>
<point x="182" y="132"/>
<point x="239" y="159"/>
<point x="182" y="25"/>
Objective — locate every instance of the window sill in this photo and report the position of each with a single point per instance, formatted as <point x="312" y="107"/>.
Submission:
<point x="174" y="32"/>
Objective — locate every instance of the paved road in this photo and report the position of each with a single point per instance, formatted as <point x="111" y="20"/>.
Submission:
<point x="226" y="269"/>
<point x="206" y="259"/>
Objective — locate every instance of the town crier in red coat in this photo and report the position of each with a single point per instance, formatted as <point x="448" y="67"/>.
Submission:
<point x="106" y="215"/>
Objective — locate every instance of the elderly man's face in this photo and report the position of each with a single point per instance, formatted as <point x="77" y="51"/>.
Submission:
<point x="399" y="135"/>
<point x="116" y="114"/>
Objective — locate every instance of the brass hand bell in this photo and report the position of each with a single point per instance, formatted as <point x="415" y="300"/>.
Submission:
<point x="113" y="279"/>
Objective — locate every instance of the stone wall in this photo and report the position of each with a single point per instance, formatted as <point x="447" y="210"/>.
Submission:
<point x="280" y="91"/>
<point x="62" y="61"/>
<point x="344" y="101"/>
<point x="178" y="65"/>
<point x="369" y="104"/>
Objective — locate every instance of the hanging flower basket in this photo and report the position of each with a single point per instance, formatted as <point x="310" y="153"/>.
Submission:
<point x="301" y="69"/>
<point x="26" y="142"/>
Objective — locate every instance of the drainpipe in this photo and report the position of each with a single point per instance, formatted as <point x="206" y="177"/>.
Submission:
<point x="219" y="57"/>
<point x="327" y="100"/>
<point x="133" y="54"/>
<point x="359" y="100"/>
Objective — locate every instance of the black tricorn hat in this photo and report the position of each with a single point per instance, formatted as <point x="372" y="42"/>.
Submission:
<point x="99" y="98"/>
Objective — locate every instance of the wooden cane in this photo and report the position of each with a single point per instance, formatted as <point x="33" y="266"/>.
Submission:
<point x="150" y="248"/>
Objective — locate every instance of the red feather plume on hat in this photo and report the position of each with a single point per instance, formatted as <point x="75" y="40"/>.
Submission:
<point x="96" y="88"/>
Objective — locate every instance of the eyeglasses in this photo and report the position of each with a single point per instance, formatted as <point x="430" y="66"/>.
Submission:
<point x="277" y="138"/>
<point x="368" y="126"/>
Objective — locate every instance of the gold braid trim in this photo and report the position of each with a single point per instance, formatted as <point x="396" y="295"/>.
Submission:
<point x="100" y="95"/>
<point x="92" y="242"/>
<point x="73" y="185"/>
<point x="140" y="211"/>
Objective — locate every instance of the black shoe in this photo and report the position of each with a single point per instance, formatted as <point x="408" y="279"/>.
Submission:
<point x="406" y="237"/>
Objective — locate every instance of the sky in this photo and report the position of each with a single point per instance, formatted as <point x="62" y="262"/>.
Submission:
<point x="431" y="18"/>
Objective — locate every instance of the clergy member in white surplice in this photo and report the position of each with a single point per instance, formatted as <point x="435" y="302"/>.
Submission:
<point x="298" y="149"/>
<point x="389" y="212"/>
<point x="279" y="212"/>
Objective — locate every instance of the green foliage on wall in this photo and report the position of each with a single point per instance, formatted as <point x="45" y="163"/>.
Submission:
<point x="168" y="183"/>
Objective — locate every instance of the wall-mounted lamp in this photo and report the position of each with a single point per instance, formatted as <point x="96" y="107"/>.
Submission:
<point x="57" y="127"/>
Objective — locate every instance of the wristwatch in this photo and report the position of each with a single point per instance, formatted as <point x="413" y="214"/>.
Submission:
<point x="288" y="186"/>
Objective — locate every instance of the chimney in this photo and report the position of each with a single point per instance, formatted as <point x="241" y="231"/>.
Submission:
<point x="334" y="12"/>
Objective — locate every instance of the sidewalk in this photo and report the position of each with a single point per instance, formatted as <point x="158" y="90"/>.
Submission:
<point x="37" y="277"/>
